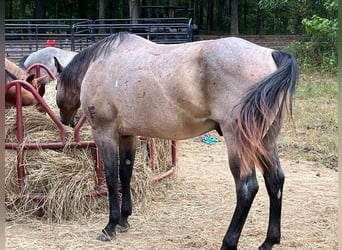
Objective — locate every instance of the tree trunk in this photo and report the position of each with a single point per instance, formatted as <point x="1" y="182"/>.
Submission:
<point x="210" y="16"/>
<point x="245" y="11"/>
<point x="220" y="8"/>
<point x="193" y="11"/>
<point x="10" y="14"/>
<point x="102" y="15"/>
<point x="200" y="15"/>
<point x="38" y="10"/>
<point x="234" y="16"/>
<point x="260" y="20"/>
<point x="171" y="12"/>
<point x="102" y="6"/>
<point x="134" y="10"/>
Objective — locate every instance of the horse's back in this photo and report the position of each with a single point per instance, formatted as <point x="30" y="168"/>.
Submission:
<point x="46" y="56"/>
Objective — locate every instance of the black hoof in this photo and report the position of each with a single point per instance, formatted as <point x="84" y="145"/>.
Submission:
<point x="104" y="236"/>
<point x="228" y="248"/>
<point x="267" y="245"/>
<point x="122" y="227"/>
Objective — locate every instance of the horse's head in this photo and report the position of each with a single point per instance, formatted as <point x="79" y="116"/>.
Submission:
<point x="67" y="96"/>
<point x="30" y="78"/>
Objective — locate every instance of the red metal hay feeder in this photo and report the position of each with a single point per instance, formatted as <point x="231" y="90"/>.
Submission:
<point x="76" y="142"/>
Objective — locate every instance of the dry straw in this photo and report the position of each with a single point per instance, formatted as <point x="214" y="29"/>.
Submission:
<point x="66" y="176"/>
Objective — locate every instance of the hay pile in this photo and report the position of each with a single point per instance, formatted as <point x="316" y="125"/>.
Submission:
<point x="66" y="176"/>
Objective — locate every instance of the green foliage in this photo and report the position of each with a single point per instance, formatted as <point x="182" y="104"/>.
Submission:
<point x="272" y="4"/>
<point x="320" y="26"/>
<point x="313" y="134"/>
<point x="318" y="48"/>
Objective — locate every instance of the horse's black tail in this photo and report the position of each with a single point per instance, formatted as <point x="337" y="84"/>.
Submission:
<point x="260" y="106"/>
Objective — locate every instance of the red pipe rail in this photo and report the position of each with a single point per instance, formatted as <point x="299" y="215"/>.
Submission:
<point x="37" y="67"/>
<point x="21" y="146"/>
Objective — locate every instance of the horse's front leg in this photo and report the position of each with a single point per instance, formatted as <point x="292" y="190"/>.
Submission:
<point x="246" y="189"/>
<point x="109" y="152"/>
<point x="127" y="150"/>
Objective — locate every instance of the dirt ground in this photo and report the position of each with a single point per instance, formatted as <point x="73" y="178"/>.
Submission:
<point x="195" y="209"/>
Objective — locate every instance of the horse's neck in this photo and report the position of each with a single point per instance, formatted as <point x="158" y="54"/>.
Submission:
<point x="15" y="70"/>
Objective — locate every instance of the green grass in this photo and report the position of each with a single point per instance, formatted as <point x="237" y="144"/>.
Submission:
<point x="312" y="135"/>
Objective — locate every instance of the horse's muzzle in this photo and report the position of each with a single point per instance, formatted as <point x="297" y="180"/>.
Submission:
<point x="68" y="120"/>
<point x="73" y="122"/>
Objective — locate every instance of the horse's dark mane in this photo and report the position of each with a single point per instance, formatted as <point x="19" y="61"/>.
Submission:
<point x="22" y="62"/>
<point x="76" y="69"/>
<point x="9" y="75"/>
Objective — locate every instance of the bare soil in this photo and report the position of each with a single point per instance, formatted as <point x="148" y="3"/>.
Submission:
<point x="194" y="207"/>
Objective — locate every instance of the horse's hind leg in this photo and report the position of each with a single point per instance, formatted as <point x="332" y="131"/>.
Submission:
<point x="127" y="148"/>
<point x="246" y="189"/>
<point x="274" y="180"/>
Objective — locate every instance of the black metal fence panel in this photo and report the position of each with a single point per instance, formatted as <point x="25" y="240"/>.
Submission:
<point x="24" y="36"/>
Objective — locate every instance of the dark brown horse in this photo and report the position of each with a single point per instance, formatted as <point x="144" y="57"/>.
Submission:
<point x="128" y="86"/>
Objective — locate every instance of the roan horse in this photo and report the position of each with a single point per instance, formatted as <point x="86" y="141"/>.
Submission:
<point x="13" y="72"/>
<point x="129" y="86"/>
<point x="46" y="56"/>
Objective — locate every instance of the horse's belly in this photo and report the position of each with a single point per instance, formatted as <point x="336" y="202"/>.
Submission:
<point x="173" y="129"/>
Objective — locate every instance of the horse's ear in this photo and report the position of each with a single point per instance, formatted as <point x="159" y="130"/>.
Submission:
<point x="41" y="78"/>
<point x="58" y="66"/>
<point x="30" y="78"/>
